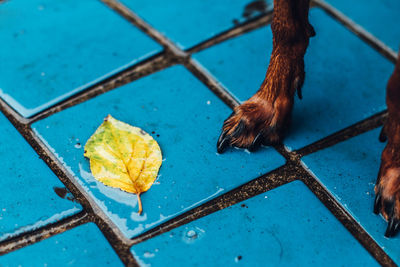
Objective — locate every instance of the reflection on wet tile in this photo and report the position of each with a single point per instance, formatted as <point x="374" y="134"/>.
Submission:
<point x="283" y="227"/>
<point x="188" y="23"/>
<point x="349" y="170"/>
<point x="376" y="16"/>
<point x="28" y="199"/>
<point x="53" y="49"/>
<point x="345" y="78"/>
<point x="185" y="118"/>
<point x="82" y="246"/>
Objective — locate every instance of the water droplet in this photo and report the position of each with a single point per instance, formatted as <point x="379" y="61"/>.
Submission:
<point x="42" y="74"/>
<point x="78" y="145"/>
<point x="208" y="102"/>
<point x="191" y="234"/>
<point x="238" y="258"/>
<point x="148" y="254"/>
<point x="156" y="250"/>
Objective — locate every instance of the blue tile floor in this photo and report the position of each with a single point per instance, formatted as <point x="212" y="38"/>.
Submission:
<point x="375" y="16"/>
<point x="204" y="208"/>
<point x="349" y="171"/>
<point x="28" y="199"/>
<point x="177" y="19"/>
<point x="178" y="118"/>
<point x="330" y="93"/>
<point x="64" y="250"/>
<point x="38" y="59"/>
<point x="257" y="228"/>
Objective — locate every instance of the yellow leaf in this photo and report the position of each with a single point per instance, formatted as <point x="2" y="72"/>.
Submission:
<point x="124" y="157"/>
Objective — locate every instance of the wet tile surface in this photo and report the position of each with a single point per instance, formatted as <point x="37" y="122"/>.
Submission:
<point x="377" y="17"/>
<point x="185" y="118"/>
<point x="254" y="233"/>
<point x="188" y="23"/>
<point x="345" y="78"/>
<point x="53" y="49"/>
<point x="64" y="250"/>
<point x="349" y="171"/>
<point x="28" y="199"/>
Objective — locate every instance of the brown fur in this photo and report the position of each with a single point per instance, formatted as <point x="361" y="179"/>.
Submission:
<point x="387" y="187"/>
<point x="267" y="113"/>
<point x="264" y="118"/>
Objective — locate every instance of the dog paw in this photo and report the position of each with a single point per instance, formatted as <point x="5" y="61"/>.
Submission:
<point x="387" y="190"/>
<point x="256" y="122"/>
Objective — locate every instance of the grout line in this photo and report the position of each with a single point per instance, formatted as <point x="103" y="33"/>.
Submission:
<point x="145" y="27"/>
<point x="248" y="190"/>
<point x="33" y="236"/>
<point x="112" y="233"/>
<point x="146" y="67"/>
<point x="264" y="183"/>
<point x="172" y="55"/>
<point x="348" y="221"/>
<point x="204" y="76"/>
<point x="248" y="25"/>
<point x="358" y="128"/>
<point x="358" y="30"/>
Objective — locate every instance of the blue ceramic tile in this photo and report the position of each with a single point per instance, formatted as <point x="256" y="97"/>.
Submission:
<point x="185" y="118"/>
<point x="345" y="78"/>
<point x="53" y="49"/>
<point x="28" y="200"/>
<point x="82" y="246"/>
<point x="349" y="170"/>
<point x="376" y="16"/>
<point x="188" y="23"/>
<point x="287" y="226"/>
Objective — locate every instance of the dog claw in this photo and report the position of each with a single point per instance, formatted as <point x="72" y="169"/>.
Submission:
<point x="256" y="142"/>
<point x="223" y="142"/>
<point x="239" y="129"/>
<point x="377" y="203"/>
<point x="297" y="86"/>
<point x="391" y="229"/>
<point x="388" y="207"/>
<point x="382" y="135"/>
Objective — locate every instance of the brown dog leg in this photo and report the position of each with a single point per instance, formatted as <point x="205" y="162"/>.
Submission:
<point x="264" y="118"/>
<point x="387" y="189"/>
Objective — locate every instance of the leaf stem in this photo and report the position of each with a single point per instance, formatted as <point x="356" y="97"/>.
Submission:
<point x="140" y="203"/>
